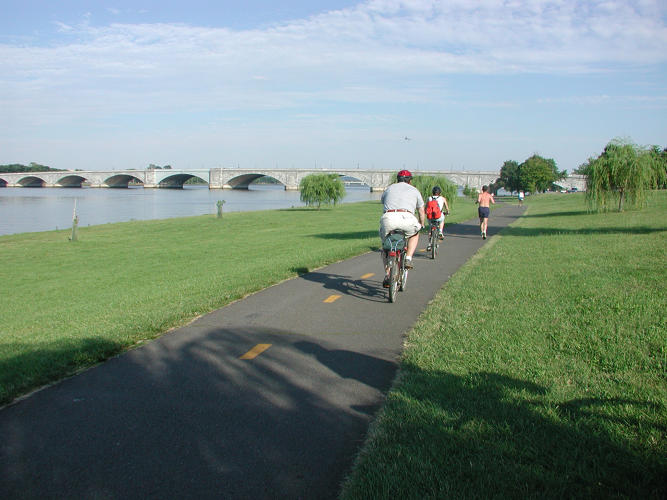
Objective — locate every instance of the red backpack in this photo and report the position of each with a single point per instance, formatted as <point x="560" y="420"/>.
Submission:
<point x="433" y="209"/>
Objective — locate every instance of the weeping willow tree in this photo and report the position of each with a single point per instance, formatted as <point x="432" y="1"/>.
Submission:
<point x="425" y="183"/>
<point x="319" y="189"/>
<point x="622" y="175"/>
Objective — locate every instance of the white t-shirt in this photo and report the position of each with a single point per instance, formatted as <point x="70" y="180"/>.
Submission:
<point x="402" y="196"/>
<point x="440" y="200"/>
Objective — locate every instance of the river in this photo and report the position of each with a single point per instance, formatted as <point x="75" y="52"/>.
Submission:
<point x="24" y="210"/>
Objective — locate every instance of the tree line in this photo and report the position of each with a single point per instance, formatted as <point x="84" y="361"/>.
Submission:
<point x="623" y="173"/>
<point x="535" y="175"/>
<point x="33" y="167"/>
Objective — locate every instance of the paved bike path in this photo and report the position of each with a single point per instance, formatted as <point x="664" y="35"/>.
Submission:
<point x="186" y="416"/>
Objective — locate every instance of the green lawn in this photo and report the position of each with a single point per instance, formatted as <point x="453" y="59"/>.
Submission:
<point x="538" y="371"/>
<point x="68" y="305"/>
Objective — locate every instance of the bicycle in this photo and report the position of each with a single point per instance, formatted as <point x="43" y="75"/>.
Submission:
<point x="433" y="237"/>
<point x="395" y="246"/>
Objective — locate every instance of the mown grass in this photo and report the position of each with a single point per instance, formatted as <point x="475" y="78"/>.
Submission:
<point x="68" y="305"/>
<point x="538" y="371"/>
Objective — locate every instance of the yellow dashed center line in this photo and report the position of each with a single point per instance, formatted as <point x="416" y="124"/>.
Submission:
<point x="332" y="298"/>
<point x="368" y="275"/>
<point x="255" y="351"/>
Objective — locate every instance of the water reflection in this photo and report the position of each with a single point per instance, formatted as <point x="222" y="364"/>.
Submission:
<point x="44" y="209"/>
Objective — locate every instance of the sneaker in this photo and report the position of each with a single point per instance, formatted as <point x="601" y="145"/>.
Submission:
<point x="428" y="248"/>
<point x="385" y="282"/>
<point x="441" y="236"/>
<point x="484" y="235"/>
<point x="408" y="264"/>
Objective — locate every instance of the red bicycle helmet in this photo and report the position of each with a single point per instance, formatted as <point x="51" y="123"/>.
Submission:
<point x="405" y="173"/>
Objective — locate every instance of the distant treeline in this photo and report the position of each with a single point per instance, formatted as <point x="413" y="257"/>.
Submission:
<point x="33" y="167"/>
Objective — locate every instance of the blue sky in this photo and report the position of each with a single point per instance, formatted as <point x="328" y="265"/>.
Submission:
<point x="199" y="84"/>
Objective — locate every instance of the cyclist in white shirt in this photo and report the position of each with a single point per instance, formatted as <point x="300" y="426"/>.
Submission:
<point x="400" y="202"/>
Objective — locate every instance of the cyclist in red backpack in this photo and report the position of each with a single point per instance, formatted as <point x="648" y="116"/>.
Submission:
<point x="436" y="209"/>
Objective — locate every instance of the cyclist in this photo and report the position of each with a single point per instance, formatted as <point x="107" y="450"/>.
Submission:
<point x="484" y="199"/>
<point x="400" y="202"/>
<point x="444" y="209"/>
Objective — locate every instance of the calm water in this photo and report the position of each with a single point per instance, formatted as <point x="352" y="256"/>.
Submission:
<point x="25" y="210"/>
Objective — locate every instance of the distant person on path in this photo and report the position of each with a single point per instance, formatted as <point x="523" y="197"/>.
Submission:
<point x="444" y="208"/>
<point x="400" y="201"/>
<point x="521" y="197"/>
<point x="484" y="199"/>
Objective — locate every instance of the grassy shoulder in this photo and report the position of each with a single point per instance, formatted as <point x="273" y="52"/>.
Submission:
<point x="68" y="305"/>
<point x="538" y="370"/>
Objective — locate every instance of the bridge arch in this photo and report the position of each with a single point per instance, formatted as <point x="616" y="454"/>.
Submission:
<point x="70" y="181"/>
<point x="243" y="181"/>
<point x="31" y="181"/>
<point x="176" y="181"/>
<point x="353" y="181"/>
<point x="120" y="180"/>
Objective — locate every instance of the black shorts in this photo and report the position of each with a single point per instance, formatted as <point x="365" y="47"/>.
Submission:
<point x="483" y="212"/>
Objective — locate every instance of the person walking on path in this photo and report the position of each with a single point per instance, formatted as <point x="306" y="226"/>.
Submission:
<point x="521" y="197"/>
<point x="484" y="199"/>
<point x="400" y="201"/>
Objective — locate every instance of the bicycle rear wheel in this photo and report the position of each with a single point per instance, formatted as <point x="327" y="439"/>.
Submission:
<point x="393" y="279"/>
<point x="434" y="242"/>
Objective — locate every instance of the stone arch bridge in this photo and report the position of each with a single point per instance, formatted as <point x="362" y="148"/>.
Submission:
<point x="221" y="178"/>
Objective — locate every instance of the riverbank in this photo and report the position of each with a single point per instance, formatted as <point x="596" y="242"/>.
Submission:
<point x="538" y="371"/>
<point x="69" y="305"/>
<point x="25" y="210"/>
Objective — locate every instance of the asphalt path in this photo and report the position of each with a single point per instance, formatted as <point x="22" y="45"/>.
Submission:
<point x="268" y="397"/>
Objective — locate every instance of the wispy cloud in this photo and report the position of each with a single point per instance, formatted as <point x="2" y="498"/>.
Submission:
<point x="373" y="41"/>
<point x="380" y="51"/>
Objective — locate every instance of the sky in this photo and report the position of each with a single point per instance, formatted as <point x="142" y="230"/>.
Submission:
<point x="384" y="84"/>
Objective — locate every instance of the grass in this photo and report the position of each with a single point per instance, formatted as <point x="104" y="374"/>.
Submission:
<point x="539" y="369"/>
<point x="69" y="305"/>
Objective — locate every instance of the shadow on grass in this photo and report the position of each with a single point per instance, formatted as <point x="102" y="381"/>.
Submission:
<point x="487" y="435"/>
<point x="542" y="231"/>
<point x="358" y="235"/>
<point x="558" y="214"/>
<point x="40" y="364"/>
